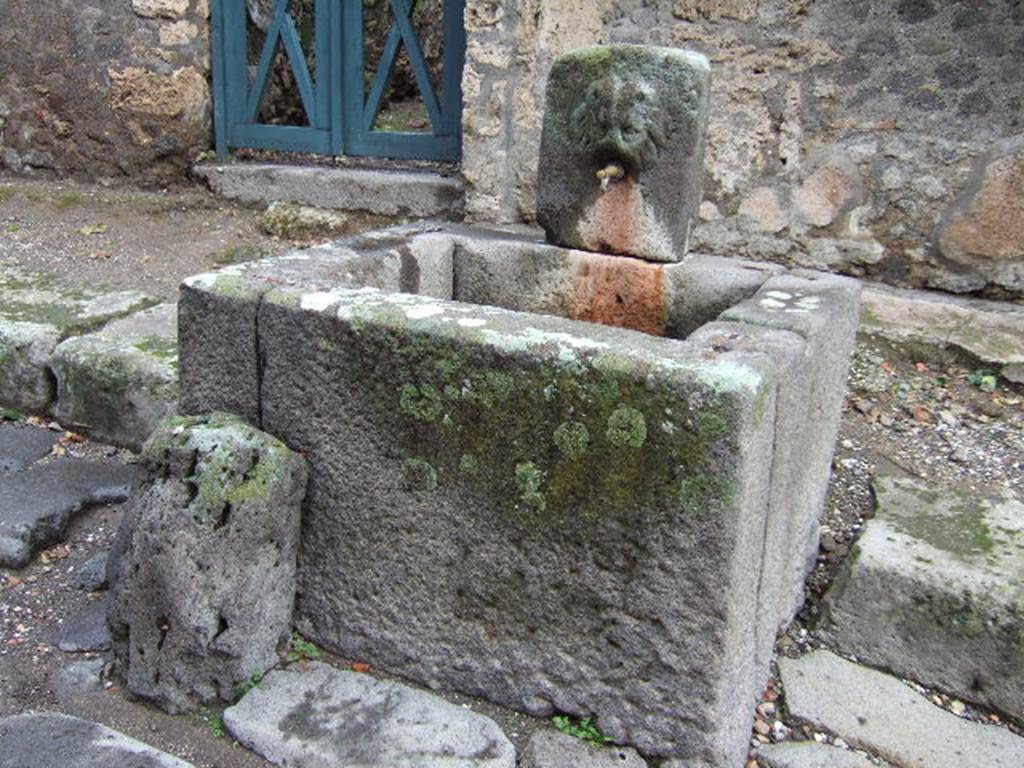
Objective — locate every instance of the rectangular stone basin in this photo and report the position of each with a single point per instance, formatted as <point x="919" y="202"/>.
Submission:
<point x="511" y="500"/>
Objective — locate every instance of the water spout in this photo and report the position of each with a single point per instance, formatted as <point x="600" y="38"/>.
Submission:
<point x="611" y="172"/>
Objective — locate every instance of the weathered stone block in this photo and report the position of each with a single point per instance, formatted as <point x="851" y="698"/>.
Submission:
<point x="539" y="490"/>
<point x="37" y="311"/>
<point x="206" y="580"/>
<point x="122" y="381"/>
<point x="933" y="591"/>
<point x="640" y="113"/>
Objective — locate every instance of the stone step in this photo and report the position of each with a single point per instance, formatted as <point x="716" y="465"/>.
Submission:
<point x="932" y="592"/>
<point x="416" y="194"/>
<point x="118" y="383"/>
<point x="46" y="740"/>
<point x="878" y="713"/>
<point x="319" y="716"/>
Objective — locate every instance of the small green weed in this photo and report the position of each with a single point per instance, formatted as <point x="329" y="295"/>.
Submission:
<point x="6" y="414"/>
<point x="69" y="200"/>
<point x="214" y="721"/>
<point x="300" y="649"/>
<point x="984" y="380"/>
<point x="6" y="193"/>
<point x="12" y="228"/>
<point x="256" y="681"/>
<point x="240" y="253"/>
<point x="581" y="729"/>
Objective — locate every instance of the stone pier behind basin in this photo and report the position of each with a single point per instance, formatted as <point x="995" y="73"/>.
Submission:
<point x="552" y="514"/>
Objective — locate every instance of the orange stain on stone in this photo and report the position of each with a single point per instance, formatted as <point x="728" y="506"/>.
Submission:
<point x="620" y="291"/>
<point x="611" y="225"/>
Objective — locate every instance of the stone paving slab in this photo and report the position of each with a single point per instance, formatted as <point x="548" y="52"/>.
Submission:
<point x="934" y="592"/>
<point x="47" y="740"/>
<point x="320" y="717"/>
<point x="37" y="503"/>
<point x="551" y="749"/>
<point x="121" y="381"/>
<point x="86" y="631"/>
<point x="879" y="713"/>
<point x="23" y="445"/>
<point x="810" y="754"/>
<point x="37" y="311"/>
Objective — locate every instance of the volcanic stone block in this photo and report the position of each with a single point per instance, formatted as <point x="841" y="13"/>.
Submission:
<point x="552" y="514"/>
<point x="37" y="311"/>
<point x="121" y="381"/>
<point x="933" y="592"/>
<point x="220" y="358"/>
<point x="640" y="113"/>
<point x="823" y="310"/>
<point x="206" y="583"/>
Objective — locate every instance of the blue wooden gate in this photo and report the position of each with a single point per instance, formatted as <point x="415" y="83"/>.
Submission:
<point x="316" y="54"/>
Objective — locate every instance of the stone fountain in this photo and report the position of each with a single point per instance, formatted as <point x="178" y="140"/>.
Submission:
<point x="577" y="475"/>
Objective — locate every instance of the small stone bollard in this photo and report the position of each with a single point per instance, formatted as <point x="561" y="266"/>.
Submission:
<point x="206" y="578"/>
<point x="622" y="150"/>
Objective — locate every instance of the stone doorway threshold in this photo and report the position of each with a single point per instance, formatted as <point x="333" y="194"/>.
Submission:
<point x="387" y="190"/>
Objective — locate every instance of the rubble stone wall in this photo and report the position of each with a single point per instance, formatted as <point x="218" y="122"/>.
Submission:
<point x="882" y="138"/>
<point x="104" y="89"/>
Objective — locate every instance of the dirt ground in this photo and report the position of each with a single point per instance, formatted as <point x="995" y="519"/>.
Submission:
<point x="940" y="420"/>
<point x="127" y="238"/>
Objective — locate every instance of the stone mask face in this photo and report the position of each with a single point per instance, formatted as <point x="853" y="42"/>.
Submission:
<point x="637" y="114"/>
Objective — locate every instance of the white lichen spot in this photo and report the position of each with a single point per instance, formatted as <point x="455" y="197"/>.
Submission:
<point x="423" y="311"/>
<point x="780" y="295"/>
<point x="668" y="427"/>
<point x="773" y="304"/>
<point x="317" y="302"/>
<point x="809" y="302"/>
<point x="472" y="322"/>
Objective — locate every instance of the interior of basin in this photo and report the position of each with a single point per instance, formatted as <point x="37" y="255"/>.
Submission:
<point x="515" y="269"/>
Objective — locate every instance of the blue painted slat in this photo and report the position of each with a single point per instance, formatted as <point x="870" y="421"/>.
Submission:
<point x="293" y="46"/>
<point x="401" y="9"/>
<point x="267" y="55"/>
<point x="334" y="81"/>
<point x="287" y="138"/>
<point x="220" y="100"/>
<point x="235" y="57"/>
<point x="383" y="76"/>
<point x="453" y="58"/>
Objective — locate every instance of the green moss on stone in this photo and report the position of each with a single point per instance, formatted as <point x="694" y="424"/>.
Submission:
<point x="529" y="481"/>
<point x="627" y="428"/>
<point x="162" y="347"/>
<point x="468" y="464"/>
<point x="423" y="402"/>
<point x="704" y="495"/>
<point x="572" y="439"/>
<point x="419" y="476"/>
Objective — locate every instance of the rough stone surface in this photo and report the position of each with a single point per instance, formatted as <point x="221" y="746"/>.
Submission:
<point x="120" y="382"/>
<point x="551" y="749"/>
<point x="879" y="713"/>
<point x="301" y="222"/>
<point x="453" y="415"/>
<point x="37" y="311"/>
<point x="478" y="414"/>
<point x="37" y="503"/>
<point x="319" y="717"/>
<point x="987" y="331"/>
<point x="810" y="754"/>
<point x="23" y="445"/>
<point x="984" y="228"/>
<point x="206" y="584"/>
<point x="86" y="630"/>
<point x="45" y="740"/>
<point x="92" y="576"/>
<point x="80" y="678"/>
<point x="642" y="111"/>
<point x="389" y="193"/>
<point x="110" y="96"/>
<point x="897" y="101"/>
<point x="811" y="392"/>
<point x="933" y="592"/>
